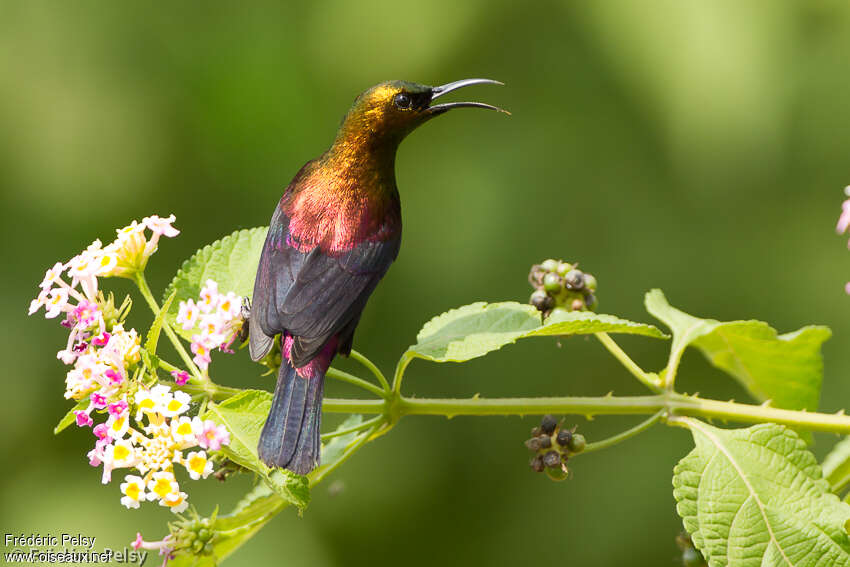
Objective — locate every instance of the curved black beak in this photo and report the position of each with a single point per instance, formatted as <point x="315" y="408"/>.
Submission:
<point x="437" y="92"/>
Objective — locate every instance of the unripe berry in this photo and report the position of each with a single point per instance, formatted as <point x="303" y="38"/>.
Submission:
<point x="537" y="463"/>
<point x="564" y="437"/>
<point x="548" y="424"/>
<point x="577" y="305"/>
<point x="577" y="443"/>
<point x="590" y="300"/>
<point x="563" y="268"/>
<point x="574" y="279"/>
<point x="549" y="265"/>
<point x="541" y="300"/>
<point x="552" y="459"/>
<point x="552" y="283"/>
<point x="589" y="282"/>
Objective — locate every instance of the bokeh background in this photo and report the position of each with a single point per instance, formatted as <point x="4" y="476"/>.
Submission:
<point x="700" y="147"/>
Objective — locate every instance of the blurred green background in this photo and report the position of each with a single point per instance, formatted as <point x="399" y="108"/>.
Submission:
<point x="700" y="147"/>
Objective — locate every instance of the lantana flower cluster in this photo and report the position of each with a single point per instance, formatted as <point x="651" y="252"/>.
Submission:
<point x="216" y="316"/>
<point x="106" y="377"/>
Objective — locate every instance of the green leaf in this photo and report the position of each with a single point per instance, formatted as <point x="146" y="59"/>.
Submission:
<point x="244" y="416"/>
<point x="261" y="504"/>
<point x="231" y="262"/>
<point x="836" y="466"/>
<point x="70" y="417"/>
<point x="476" y="329"/>
<point x="786" y="369"/>
<point x="756" y="497"/>
<point x="156" y="326"/>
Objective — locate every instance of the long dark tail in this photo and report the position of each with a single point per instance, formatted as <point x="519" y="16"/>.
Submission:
<point x="290" y="437"/>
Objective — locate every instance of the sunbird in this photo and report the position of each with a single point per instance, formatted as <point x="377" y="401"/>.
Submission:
<point x="331" y="239"/>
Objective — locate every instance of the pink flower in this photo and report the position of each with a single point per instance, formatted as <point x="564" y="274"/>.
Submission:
<point x="56" y="302"/>
<point x="101" y="431"/>
<point x="210" y="436"/>
<point x="83" y="418"/>
<point x="138" y="543"/>
<point x="180" y="377"/>
<point x="201" y="351"/>
<point x="86" y="314"/>
<point x="114" y="377"/>
<point x="101" y="340"/>
<point x="161" y="226"/>
<point x="165" y="548"/>
<point x="98" y="400"/>
<point x="117" y="409"/>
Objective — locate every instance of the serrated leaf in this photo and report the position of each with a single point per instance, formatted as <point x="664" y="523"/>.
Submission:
<point x="156" y="326"/>
<point x="70" y="417"/>
<point x="836" y="465"/>
<point x="293" y="488"/>
<point x="474" y="330"/>
<point x="786" y="369"/>
<point x="231" y="262"/>
<point x="756" y="497"/>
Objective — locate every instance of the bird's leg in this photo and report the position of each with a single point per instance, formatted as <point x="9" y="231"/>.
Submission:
<point x="246" y="316"/>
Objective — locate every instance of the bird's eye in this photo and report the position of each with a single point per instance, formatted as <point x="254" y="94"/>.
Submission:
<point x="402" y="101"/>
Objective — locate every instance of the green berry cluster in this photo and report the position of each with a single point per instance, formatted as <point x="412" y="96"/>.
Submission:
<point x="561" y="284"/>
<point x="553" y="445"/>
<point x="193" y="535"/>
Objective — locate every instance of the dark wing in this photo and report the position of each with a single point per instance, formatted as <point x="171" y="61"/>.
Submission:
<point x="313" y="296"/>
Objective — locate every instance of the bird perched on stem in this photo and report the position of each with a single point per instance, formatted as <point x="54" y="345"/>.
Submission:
<point x="331" y="239"/>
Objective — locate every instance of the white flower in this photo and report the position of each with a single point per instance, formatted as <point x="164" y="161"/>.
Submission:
<point x="158" y="225"/>
<point x="198" y="465"/>
<point x="117" y="426"/>
<point x="181" y="431"/>
<point x="133" y="489"/>
<point x="56" y="302"/>
<point x="188" y="314"/>
<point x="177" y="404"/>
<point x="161" y="485"/>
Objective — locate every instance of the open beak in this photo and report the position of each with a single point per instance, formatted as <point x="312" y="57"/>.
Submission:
<point x="437" y="92"/>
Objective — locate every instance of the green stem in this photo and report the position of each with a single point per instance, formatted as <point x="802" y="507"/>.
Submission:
<point x="372" y="368"/>
<point x="142" y="284"/>
<point x="359" y="382"/>
<point x="362" y="440"/>
<point x="650" y="380"/>
<point x="405" y="359"/>
<point x="670" y="402"/>
<point x="620" y="437"/>
<point x="365" y="425"/>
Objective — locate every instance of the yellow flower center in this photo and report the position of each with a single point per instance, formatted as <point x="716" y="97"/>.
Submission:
<point x="184" y="428"/>
<point x="121" y="452"/>
<point x="133" y="490"/>
<point x="162" y="487"/>
<point x="197" y="464"/>
<point x="146" y="404"/>
<point x="174" y="405"/>
<point x="118" y="424"/>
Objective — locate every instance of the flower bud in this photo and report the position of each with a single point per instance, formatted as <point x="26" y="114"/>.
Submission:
<point x="548" y="424"/>
<point x="577" y="443"/>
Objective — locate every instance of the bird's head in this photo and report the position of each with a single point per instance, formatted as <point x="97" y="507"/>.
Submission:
<point x="384" y="114"/>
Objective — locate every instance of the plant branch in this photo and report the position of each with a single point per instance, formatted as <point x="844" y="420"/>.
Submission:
<point x="372" y="368"/>
<point x="359" y="382"/>
<point x="620" y="437"/>
<point x="365" y="425"/>
<point x="650" y="380"/>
